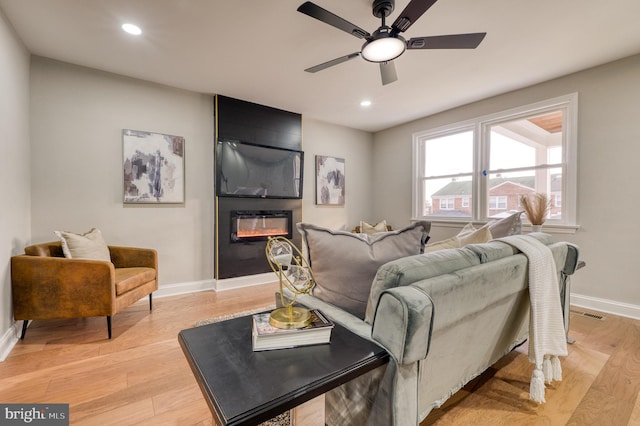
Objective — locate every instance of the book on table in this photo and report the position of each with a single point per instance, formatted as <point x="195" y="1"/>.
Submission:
<point x="266" y="337"/>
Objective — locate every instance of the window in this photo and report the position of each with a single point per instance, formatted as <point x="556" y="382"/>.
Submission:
<point x="479" y="169"/>
<point x="557" y="200"/>
<point x="447" y="203"/>
<point x="498" y="203"/>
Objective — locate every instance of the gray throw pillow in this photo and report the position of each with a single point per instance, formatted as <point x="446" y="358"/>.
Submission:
<point x="344" y="264"/>
<point x="510" y="225"/>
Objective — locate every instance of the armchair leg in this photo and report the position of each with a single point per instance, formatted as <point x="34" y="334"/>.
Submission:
<point x="25" y="323"/>
<point x="109" y="326"/>
<point x="151" y="301"/>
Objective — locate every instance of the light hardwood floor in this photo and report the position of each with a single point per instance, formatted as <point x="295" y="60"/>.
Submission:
<point x="141" y="377"/>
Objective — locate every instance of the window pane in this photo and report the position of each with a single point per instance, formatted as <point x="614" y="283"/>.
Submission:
<point x="507" y="153"/>
<point x="555" y="191"/>
<point x="529" y="142"/>
<point x="526" y="142"/>
<point x="505" y="190"/>
<point x="447" y="197"/>
<point x="448" y="155"/>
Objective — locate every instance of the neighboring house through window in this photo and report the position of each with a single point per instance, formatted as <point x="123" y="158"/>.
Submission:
<point x="480" y="168"/>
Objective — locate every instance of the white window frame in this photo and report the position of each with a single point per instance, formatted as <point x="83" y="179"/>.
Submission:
<point x="481" y="129"/>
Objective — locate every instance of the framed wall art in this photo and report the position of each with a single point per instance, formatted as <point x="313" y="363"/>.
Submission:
<point x="153" y="166"/>
<point x="329" y="181"/>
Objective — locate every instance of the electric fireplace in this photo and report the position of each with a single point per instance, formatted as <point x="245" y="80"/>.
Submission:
<point x="259" y="225"/>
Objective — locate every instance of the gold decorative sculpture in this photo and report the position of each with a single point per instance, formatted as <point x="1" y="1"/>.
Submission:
<point x="294" y="273"/>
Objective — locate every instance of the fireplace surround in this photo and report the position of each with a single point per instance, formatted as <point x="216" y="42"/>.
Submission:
<point x="239" y="256"/>
<point x="244" y="223"/>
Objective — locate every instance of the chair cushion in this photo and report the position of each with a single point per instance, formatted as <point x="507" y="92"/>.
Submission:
<point x="130" y="278"/>
<point x="344" y="264"/>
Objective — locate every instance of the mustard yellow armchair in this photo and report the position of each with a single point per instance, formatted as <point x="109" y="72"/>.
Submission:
<point x="46" y="285"/>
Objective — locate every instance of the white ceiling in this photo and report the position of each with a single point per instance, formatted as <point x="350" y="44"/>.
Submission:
<point x="256" y="50"/>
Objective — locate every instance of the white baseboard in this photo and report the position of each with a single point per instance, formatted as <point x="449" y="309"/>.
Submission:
<point x="9" y="340"/>
<point x="605" y="305"/>
<point x="214" y="285"/>
<point x="184" y="288"/>
<point x="248" y="281"/>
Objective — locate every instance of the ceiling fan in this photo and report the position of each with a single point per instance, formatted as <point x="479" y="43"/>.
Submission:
<point x="386" y="43"/>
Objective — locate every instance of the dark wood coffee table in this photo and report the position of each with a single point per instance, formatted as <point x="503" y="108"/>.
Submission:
<point x="243" y="387"/>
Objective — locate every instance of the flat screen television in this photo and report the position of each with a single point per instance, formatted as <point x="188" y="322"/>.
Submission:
<point x="250" y="170"/>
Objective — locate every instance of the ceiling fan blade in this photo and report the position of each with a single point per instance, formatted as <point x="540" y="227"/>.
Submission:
<point x="388" y="72"/>
<point x="315" y="11"/>
<point x="414" y="10"/>
<point x="452" y="41"/>
<point x="333" y="62"/>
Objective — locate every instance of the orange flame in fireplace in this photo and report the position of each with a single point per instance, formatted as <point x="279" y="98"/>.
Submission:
<point x="245" y="233"/>
<point x="261" y="227"/>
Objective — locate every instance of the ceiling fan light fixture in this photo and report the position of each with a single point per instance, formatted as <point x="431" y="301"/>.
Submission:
<point x="383" y="46"/>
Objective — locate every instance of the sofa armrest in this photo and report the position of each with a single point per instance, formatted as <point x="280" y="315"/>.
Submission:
<point x="335" y="314"/>
<point x="572" y="260"/>
<point x="132" y="257"/>
<point x="55" y="287"/>
<point x="403" y="322"/>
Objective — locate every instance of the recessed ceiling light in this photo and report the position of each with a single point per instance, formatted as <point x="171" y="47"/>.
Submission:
<point x="132" y="29"/>
<point x="365" y="103"/>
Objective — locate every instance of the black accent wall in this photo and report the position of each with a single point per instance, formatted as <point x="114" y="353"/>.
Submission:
<point x="259" y="124"/>
<point x="263" y="125"/>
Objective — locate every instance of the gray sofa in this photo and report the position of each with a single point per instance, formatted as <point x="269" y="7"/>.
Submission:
<point x="445" y="317"/>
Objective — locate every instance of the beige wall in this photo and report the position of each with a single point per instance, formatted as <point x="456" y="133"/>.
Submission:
<point x="77" y="117"/>
<point x="608" y="152"/>
<point x="15" y="188"/>
<point x="354" y="146"/>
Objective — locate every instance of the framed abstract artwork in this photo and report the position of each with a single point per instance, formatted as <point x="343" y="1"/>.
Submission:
<point x="329" y="181"/>
<point x="153" y="166"/>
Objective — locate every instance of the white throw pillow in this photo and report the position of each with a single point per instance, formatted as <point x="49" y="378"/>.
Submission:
<point x="367" y="228"/>
<point x="89" y="245"/>
<point x="453" y="242"/>
<point x="475" y="236"/>
<point x="468" y="235"/>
